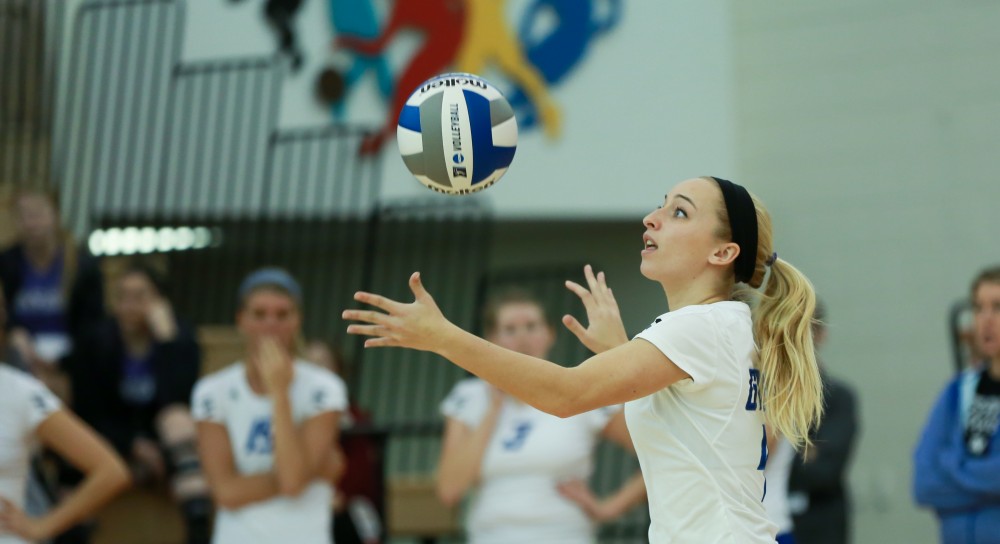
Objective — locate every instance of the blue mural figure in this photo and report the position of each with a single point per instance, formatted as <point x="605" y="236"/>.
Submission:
<point x="559" y="51"/>
<point x="357" y="19"/>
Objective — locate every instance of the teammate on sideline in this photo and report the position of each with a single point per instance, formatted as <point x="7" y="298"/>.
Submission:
<point x="694" y="384"/>
<point x="518" y="458"/>
<point x="267" y="425"/>
<point x="30" y="413"/>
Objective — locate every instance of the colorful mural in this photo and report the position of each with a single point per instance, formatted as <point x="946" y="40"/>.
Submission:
<point x="527" y="55"/>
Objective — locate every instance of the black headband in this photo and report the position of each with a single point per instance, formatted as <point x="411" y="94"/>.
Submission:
<point x="743" y="224"/>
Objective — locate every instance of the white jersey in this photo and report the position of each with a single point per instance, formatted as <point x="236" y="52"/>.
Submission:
<point x="779" y="466"/>
<point x="529" y="454"/>
<point x="225" y="397"/>
<point x="701" y="442"/>
<point x="24" y="404"/>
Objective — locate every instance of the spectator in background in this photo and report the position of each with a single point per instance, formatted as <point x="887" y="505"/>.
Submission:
<point x="527" y="468"/>
<point x="53" y="289"/>
<point x="132" y="378"/>
<point x="818" y="496"/>
<point x="267" y="425"/>
<point x="356" y="518"/>
<point x="957" y="459"/>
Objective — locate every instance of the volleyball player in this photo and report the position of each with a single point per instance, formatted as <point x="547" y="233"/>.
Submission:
<point x="30" y="414"/>
<point x="267" y="425"/>
<point x="695" y="382"/>
<point x="514" y="458"/>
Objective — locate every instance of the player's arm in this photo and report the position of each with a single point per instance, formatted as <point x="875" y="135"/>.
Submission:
<point x="627" y="372"/>
<point x="105" y="475"/>
<point x="631" y="493"/>
<point x="301" y="454"/>
<point x="230" y="490"/>
<point x="462" y="452"/>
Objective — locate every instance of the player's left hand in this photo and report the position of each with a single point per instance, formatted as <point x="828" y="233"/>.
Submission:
<point x="605" y="329"/>
<point x="14" y="521"/>
<point x="417" y="325"/>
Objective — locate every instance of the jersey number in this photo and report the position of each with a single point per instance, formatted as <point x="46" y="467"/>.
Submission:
<point x="515" y="442"/>
<point x="753" y="399"/>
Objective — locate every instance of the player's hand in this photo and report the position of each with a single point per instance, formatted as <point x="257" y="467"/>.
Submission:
<point x="14" y="521"/>
<point x="160" y="317"/>
<point x="417" y="325"/>
<point x="605" y="329"/>
<point x="579" y="492"/>
<point x="147" y="454"/>
<point x="274" y="364"/>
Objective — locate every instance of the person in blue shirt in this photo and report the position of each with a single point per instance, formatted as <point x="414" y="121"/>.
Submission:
<point x="53" y="289"/>
<point x="957" y="460"/>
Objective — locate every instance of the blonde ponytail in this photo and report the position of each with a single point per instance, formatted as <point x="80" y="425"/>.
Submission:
<point x="791" y="388"/>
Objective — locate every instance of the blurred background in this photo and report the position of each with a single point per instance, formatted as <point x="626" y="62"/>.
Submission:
<point x="213" y="137"/>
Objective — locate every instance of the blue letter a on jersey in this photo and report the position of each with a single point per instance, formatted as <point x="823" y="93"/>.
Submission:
<point x="259" y="440"/>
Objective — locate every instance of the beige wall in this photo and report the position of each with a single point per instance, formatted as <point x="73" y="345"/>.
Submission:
<point x="871" y="130"/>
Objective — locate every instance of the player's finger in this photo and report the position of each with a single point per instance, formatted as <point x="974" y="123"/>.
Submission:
<point x="418" y="288"/>
<point x="574" y="326"/>
<point x="588" y="272"/>
<point x="378" y="301"/>
<point x="600" y="288"/>
<point x="583" y="293"/>
<point x="611" y="297"/>
<point x="367" y="330"/>
<point x="380" y="343"/>
<point x="368" y="316"/>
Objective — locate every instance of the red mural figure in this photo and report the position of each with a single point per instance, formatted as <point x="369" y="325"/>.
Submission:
<point x="442" y="23"/>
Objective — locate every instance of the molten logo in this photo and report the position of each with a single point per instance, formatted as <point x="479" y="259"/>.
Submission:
<point x="454" y="82"/>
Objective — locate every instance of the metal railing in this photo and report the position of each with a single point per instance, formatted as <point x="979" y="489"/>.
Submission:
<point x="31" y="34"/>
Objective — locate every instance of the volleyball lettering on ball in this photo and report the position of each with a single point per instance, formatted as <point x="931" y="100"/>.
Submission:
<point x="457" y="134"/>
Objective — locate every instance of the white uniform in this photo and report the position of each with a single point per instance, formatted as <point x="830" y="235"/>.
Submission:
<point x="529" y="454"/>
<point x="225" y="397"/>
<point x="779" y="466"/>
<point x="24" y="404"/>
<point x="701" y="442"/>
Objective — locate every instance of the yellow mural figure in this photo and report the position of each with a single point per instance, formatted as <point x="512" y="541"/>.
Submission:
<point x="488" y="38"/>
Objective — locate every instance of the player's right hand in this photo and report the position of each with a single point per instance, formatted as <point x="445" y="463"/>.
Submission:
<point x="418" y="325"/>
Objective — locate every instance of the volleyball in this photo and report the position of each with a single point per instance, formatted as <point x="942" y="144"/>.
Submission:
<point x="457" y="134"/>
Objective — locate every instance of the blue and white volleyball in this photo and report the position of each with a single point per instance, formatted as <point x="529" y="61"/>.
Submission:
<point x="457" y="134"/>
